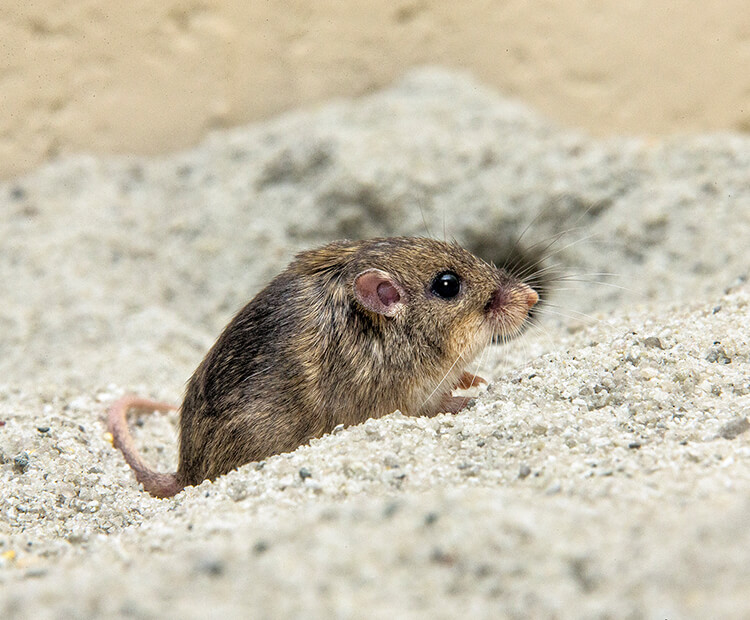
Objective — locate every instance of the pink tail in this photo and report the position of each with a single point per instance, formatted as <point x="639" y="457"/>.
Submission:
<point x="157" y="484"/>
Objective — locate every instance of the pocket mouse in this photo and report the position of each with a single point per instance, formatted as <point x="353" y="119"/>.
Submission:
<point x="348" y="331"/>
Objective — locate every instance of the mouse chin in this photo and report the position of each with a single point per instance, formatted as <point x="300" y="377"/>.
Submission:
<point x="510" y="326"/>
<point x="503" y="336"/>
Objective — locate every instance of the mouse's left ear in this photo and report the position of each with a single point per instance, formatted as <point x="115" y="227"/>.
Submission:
<point x="379" y="292"/>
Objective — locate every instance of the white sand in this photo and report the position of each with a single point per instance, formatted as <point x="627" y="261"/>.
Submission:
<point x="605" y="472"/>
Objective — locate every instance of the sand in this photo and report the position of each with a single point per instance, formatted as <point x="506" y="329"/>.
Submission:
<point x="604" y="472"/>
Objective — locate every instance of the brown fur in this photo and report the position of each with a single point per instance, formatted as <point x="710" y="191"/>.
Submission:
<point x="306" y="354"/>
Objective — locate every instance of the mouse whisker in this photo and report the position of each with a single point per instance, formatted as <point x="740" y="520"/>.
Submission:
<point x="514" y="248"/>
<point x="424" y="221"/>
<point x="547" y="253"/>
<point x="571" y="276"/>
<point x="569" y="313"/>
<point x="533" y="268"/>
<point x="539" y="328"/>
<point x="445" y="376"/>
<point x="592" y="278"/>
<point x="483" y="356"/>
<point x="542" y="212"/>
<point x="542" y="248"/>
<point x="537" y="271"/>
<point x="599" y="283"/>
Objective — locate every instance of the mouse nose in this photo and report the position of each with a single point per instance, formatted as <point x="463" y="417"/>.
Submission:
<point x="532" y="297"/>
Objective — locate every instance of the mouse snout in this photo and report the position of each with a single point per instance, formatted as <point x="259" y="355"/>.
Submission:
<point x="511" y="304"/>
<point x="521" y="296"/>
<point x="529" y="295"/>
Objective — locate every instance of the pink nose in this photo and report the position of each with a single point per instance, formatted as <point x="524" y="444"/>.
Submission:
<point x="531" y="296"/>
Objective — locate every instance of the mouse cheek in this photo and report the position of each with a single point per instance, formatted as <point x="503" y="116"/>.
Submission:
<point x="470" y="333"/>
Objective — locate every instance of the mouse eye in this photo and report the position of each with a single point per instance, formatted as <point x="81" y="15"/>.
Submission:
<point x="446" y="285"/>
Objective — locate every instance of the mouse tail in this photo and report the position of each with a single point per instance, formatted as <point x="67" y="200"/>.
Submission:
<point x="157" y="484"/>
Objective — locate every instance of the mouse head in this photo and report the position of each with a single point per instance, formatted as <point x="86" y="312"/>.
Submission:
<point x="438" y="292"/>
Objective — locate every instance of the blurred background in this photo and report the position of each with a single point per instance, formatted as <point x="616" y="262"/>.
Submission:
<point x="149" y="77"/>
<point x="193" y="147"/>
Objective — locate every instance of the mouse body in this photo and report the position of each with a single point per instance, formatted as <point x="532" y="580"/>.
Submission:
<point x="348" y="331"/>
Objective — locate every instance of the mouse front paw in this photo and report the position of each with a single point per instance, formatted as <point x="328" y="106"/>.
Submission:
<point x="469" y="380"/>
<point x="454" y="404"/>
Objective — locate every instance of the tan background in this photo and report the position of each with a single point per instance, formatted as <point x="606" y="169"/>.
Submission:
<point x="148" y="77"/>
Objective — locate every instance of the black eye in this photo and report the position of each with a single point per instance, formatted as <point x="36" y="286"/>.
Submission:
<point x="446" y="285"/>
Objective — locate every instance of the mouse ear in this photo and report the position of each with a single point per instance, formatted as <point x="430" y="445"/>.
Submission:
<point x="379" y="292"/>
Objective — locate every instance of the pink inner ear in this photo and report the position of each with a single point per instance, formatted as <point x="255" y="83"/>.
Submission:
<point x="388" y="293"/>
<point x="378" y="292"/>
